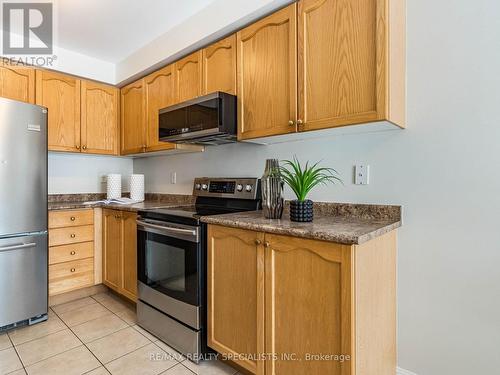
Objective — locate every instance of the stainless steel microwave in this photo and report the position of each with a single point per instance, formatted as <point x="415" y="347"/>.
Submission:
<point x="209" y="119"/>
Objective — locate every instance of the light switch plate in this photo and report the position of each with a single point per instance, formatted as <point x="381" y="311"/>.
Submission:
<point x="361" y="174"/>
<point x="173" y="178"/>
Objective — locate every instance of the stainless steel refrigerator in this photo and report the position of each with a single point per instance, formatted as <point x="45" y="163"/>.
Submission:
<point x="23" y="213"/>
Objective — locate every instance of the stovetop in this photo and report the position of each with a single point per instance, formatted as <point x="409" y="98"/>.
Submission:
<point x="189" y="215"/>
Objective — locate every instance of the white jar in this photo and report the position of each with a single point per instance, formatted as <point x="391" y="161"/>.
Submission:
<point x="137" y="187"/>
<point x="114" y="186"/>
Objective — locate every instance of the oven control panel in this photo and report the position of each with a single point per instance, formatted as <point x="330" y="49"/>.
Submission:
<point x="240" y="188"/>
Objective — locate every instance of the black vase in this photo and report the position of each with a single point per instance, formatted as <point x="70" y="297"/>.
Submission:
<point x="302" y="211"/>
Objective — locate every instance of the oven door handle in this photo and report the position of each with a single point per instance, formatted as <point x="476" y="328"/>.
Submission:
<point x="191" y="232"/>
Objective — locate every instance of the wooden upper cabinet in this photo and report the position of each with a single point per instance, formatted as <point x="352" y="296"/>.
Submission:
<point x="308" y="287"/>
<point x="60" y="93"/>
<point x="344" y="69"/>
<point x="160" y="93"/>
<point x="267" y="75"/>
<point x="100" y="112"/>
<point x="236" y="294"/>
<point x="219" y="66"/>
<point x="188" y="72"/>
<point x="17" y="83"/>
<point x="133" y="118"/>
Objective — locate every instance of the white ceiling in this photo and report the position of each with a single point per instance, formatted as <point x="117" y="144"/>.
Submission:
<point x="111" y="30"/>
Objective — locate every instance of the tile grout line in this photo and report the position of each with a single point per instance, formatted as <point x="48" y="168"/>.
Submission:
<point x="128" y="326"/>
<point x="17" y="353"/>
<point x="98" y="360"/>
<point x="65" y="326"/>
<point x="85" y="344"/>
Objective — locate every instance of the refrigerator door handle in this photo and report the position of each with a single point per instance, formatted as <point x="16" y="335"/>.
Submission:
<point x="17" y="247"/>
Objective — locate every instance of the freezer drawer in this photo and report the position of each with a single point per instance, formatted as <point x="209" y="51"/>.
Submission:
<point x="23" y="278"/>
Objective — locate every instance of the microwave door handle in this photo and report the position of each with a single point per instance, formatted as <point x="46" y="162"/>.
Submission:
<point x="167" y="229"/>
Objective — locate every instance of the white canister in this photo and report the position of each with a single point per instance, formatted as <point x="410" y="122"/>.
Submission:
<point x="137" y="187"/>
<point x="114" y="188"/>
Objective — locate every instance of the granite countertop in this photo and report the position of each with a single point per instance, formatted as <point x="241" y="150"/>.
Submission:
<point x="341" y="223"/>
<point x="146" y="205"/>
<point x="152" y="201"/>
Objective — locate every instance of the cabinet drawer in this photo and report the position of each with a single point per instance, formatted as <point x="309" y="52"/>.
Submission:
<point x="67" y="276"/>
<point x="70" y="218"/>
<point x="66" y="253"/>
<point x="65" y="236"/>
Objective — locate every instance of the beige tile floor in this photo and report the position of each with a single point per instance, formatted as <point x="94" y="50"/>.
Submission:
<point x="95" y="335"/>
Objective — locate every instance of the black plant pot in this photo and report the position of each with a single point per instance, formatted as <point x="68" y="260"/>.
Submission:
<point x="302" y="211"/>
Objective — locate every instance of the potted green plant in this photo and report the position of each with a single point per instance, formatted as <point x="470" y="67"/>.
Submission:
<point x="302" y="180"/>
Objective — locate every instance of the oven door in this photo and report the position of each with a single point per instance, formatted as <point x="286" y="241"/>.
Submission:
<point x="169" y="261"/>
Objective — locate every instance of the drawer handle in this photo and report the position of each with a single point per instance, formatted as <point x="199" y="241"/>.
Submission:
<point x="73" y="235"/>
<point x="73" y="218"/>
<point x="267" y="244"/>
<point x="73" y="270"/>
<point x="73" y="253"/>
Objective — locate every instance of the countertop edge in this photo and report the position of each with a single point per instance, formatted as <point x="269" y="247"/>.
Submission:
<point x="56" y="206"/>
<point x="302" y="233"/>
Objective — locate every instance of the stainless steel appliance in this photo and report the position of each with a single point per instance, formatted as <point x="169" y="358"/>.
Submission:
<point x="23" y="213"/>
<point x="172" y="265"/>
<point x="207" y="120"/>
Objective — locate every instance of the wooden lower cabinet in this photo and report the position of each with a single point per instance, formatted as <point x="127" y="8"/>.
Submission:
<point x="236" y="294"/>
<point x="129" y="254"/>
<point x="71" y="250"/>
<point x="305" y="306"/>
<point x="120" y="252"/>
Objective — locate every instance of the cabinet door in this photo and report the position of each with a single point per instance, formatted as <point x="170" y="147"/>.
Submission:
<point x="340" y="66"/>
<point x="267" y="76"/>
<point x="219" y="66"/>
<point x="61" y="95"/>
<point x="99" y="118"/>
<point x="160" y="93"/>
<point x="133" y="118"/>
<point x="236" y="294"/>
<point x="129" y="254"/>
<point x="17" y="83"/>
<point x="188" y="77"/>
<point x="111" y="246"/>
<point x="308" y="305"/>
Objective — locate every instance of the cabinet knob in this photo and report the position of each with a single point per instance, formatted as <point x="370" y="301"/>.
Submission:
<point x="84" y="147"/>
<point x="73" y="218"/>
<point x="258" y="242"/>
<point x="267" y="244"/>
<point x="300" y="122"/>
<point x="73" y="270"/>
<point x="73" y="253"/>
<point x="73" y="235"/>
<point x="291" y="123"/>
<point x="77" y="147"/>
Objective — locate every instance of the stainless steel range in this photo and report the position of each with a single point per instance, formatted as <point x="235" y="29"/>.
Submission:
<point x="172" y="265"/>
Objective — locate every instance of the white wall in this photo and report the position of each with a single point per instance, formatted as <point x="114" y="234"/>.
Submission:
<point x="72" y="174"/>
<point x="443" y="169"/>
<point x="84" y="66"/>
